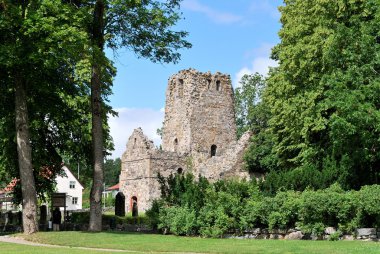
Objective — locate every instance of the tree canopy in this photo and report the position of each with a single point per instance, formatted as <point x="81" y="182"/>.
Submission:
<point x="323" y="97"/>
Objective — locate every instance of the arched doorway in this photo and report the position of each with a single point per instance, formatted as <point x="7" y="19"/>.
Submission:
<point x="134" y="207"/>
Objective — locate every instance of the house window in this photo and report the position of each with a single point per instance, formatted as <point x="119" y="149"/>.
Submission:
<point x="72" y="184"/>
<point x="75" y="201"/>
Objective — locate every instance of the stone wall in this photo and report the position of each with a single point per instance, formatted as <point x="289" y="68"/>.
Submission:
<point x="330" y="233"/>
<point x="199" y="119"/>
<point x="199" y="112"/>
<point x="229" y="164"/>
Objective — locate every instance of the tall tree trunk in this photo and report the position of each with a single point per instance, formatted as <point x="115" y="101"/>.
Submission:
<point x="97" y="128"/>
<point x="24" y="152"/>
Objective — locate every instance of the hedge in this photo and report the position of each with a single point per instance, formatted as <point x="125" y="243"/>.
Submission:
<point x="237" y="207"/>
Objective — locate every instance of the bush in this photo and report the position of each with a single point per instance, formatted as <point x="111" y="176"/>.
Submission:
<point x="178" y="220"/>
<point x="335" y="236"/>
<point x="237" y="206"/>
<point x="84" y="218"/>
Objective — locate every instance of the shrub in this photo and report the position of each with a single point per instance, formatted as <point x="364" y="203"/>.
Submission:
<point x="335" y="236"/>
<point x="178" y="220"/>
<point x="231" y="206"/>
<point x="368" y="206"/>
<point x="84" y="218"/>
<point x="215" y="222"/>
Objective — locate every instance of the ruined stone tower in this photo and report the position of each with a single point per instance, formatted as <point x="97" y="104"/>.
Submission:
<point x="199" y="136"/>
<point x="199" y="113"/>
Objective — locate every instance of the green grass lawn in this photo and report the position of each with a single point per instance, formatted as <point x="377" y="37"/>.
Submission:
<point x="10" y="248"/>
<point x="164" y="243"/>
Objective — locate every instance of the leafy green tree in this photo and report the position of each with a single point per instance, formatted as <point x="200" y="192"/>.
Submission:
<point x="248" y="109"/>
<point x="143" y="27"/>
<point x="112" y="169"/>
<point x="322" y="97"/>
<point x="40" y="79"/>
<point x="252" y="113"/>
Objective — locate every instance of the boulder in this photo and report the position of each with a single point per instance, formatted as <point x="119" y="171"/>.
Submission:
<point x="294" y="236"/>
<point x="256" y="230"/>
<point x="276" y="236"/>
<point x="348" y="237"/>
<point x="365" y="231"/>
<point x="330" y="230"/>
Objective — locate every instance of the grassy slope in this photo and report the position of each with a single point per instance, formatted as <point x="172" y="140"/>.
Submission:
<point x="161" y="243"/>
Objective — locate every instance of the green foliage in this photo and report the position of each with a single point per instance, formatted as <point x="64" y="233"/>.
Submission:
<point x="252" y="113"/>
<point x="145" y="27"/>
<point x="109" y="201"/>
<point x="249" y="110"/>
<point x="112" y="169"/>
<point x="57" y="95"/>
<point x="183" y="190"/>
<point x="84" y="218"/>
<point x="335" y="236"/>
<point x="231" y="206"/>
<point x="180" y="220"/>
<point x="324" y="116"/>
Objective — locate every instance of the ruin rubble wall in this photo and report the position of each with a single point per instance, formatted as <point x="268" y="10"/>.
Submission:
<point x="199" y="113"/>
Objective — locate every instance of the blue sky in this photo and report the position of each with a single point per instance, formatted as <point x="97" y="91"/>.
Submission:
<point x="230" y="36"/>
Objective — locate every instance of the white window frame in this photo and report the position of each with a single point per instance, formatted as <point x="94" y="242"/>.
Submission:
<point x="74" y="201"/>
<point x="72" y="184"/>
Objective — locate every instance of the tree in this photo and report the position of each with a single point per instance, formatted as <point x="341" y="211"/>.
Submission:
<point x="248" y="104"/>
<point x="142" y="26"/>
<point x="112" y="168"/>
<point x="324" y="112"/>
<point x="252" y="113"/>
<point x="40" y="78"/>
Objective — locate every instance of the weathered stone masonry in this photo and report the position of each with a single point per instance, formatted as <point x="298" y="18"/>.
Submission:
<point x="199" y="136"/>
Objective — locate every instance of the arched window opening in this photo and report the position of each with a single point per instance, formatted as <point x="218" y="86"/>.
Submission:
<point x="175" y="144"/>
<point x="218" y="85"/>
<point x="213" y="150"/>
<point x="179" y="170"/>
<point x="209" y="84"/>
<point x="135" y="210"/>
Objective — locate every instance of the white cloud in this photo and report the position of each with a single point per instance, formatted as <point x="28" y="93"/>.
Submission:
<point x="215" y="15"/>
<point x="261" y="63"/>
<point x="265" y="6"/>
<point x="131" y="118"/>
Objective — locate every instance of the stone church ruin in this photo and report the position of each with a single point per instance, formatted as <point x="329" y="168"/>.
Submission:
<point x="199" y="136"/>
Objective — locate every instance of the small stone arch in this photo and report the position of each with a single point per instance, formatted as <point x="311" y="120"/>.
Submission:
<point x="179" y="171"/>
<point x="213" y="150"/>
